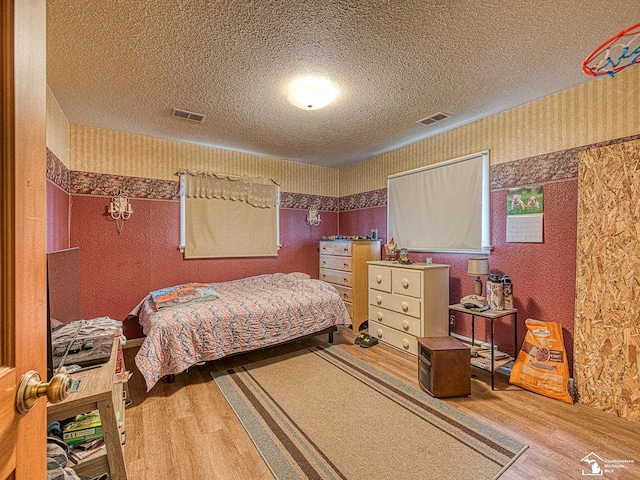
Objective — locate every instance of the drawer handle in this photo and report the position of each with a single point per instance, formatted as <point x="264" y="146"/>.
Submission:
<point x="378" y="278"/>
<point x="345" y="280"/>
<point x="345" y="295"/>
<point x="378" y="299"/>
<point x="345" y="250"/>
<point x="345" y="265"/>
<point x="379" y="315"/>
<point x="405" y="343"/>
<point x="405" y="325"/>
<point x="405" y="283"/>
<point x="324" y="275"/>
<point x="324" y="262"/>
<point x="379" y="333"/>
<point x="404" y="306"/>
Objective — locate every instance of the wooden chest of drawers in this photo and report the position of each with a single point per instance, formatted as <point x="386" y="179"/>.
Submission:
<point x="407" y="302"/>
<point x="343" y="263"/>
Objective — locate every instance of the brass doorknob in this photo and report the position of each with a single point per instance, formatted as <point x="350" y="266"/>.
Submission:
<point x="31" y="388"/>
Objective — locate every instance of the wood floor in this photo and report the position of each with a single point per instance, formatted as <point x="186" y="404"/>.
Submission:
<point x="186" y="430"/>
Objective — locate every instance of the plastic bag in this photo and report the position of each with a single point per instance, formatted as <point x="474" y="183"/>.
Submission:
<point x="541" y="365"/>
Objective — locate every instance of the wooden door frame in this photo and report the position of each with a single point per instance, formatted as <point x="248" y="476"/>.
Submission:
<point x="22" y="232"/>
<point x="7" y="353"/>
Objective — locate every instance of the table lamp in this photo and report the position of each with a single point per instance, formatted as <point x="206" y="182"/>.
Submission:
<point x="477" y="267"/>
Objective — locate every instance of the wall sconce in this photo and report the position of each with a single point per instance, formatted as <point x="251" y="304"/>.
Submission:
<point x="313" y="218"/>
<point x="477" y="267"/>
<point x="120" y="209"/>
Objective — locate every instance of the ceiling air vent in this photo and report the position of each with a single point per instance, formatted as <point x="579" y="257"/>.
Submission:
<point x="196" y="117"/>
<point x="433" y="118"/>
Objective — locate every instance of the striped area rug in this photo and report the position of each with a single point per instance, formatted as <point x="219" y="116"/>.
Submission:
<point x="324" y="414"/>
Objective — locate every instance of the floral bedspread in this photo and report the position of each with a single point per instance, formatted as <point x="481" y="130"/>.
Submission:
<point x="250" y="313"/>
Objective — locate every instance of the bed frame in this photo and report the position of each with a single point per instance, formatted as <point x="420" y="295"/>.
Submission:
<point x="329" y="330"/>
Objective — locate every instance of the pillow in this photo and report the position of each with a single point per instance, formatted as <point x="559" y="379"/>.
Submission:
<point x="183" y="294"/>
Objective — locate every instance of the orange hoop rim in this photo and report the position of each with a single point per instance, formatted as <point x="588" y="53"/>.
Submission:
<point x="606" y="45"/>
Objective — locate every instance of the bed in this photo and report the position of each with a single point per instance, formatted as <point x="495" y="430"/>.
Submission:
<point x="192" y="323"/>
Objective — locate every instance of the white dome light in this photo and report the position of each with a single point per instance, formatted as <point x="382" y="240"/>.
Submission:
<point x="311" y="93"/>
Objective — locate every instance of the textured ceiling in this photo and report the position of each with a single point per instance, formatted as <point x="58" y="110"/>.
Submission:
<point x="124" y="64"/>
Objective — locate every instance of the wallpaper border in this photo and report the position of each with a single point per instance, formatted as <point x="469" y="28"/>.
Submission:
<point x="75" y="182"/>
<point x="105" y="184"/>
<point x="57" y="172"/>
<point x="548" y="167"/>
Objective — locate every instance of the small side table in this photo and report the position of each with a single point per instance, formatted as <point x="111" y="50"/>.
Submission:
<point x="490" y="315"/>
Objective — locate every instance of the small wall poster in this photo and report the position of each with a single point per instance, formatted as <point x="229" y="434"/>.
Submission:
<point x="525" y="207"/>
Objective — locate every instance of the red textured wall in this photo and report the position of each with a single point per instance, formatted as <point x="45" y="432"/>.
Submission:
<point x="57" y="218"/>
<point x="543" y="275"/>
<point x="360" y="222"/>
<point x="117" y="271"/>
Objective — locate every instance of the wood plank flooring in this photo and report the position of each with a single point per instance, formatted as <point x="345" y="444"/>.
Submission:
<point x="186" y="430"/>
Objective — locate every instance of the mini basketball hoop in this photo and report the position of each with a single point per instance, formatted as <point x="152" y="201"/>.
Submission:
<point x="614" y="54"/>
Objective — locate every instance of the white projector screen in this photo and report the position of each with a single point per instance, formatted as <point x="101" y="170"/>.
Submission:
<point x="442" y="207"/>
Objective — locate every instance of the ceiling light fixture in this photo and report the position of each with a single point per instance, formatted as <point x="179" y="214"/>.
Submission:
<point x="311" y="93"/>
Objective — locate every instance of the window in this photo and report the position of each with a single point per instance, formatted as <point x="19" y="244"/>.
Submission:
<point x="228" y="216"/>
<point x="442" y="207"/>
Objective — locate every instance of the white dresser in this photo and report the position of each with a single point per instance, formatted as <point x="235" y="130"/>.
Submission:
<point x="343" y="263"/>
<point x="407" y="302"/>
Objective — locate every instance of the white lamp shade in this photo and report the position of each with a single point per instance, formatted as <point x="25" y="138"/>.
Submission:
<point x="478" y="266"/>
<point x="311" y="93"/>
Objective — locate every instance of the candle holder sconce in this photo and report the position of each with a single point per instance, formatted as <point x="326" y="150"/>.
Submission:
<point x="120" y="209"/>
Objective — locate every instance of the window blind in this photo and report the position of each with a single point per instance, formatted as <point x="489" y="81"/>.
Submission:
<point x="225" y="216"/>
<point x="442" y="207"/>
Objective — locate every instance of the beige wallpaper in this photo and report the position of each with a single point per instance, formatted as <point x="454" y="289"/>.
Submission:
<point x="601" y="109"/>
<point x="57" y="129"/>
<point x="117" y="153"/>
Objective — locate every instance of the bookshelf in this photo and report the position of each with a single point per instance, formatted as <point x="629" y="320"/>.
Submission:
<point x="97" y="390"/>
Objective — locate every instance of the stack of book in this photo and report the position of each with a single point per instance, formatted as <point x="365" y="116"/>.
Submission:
<point x="82" y="451"/>
<point x="481" y="357"/>
<point x="83" y="428"/>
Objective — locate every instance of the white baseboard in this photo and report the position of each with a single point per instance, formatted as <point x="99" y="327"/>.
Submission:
<point x="133" y="342"/>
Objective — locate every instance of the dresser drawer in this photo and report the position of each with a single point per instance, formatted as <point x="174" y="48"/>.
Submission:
<point x="345" y="293"/>
<point x="400" y="340"/>
<point x="403" y="323"/>
<point x="407" y="282"/>
<point x="397" y="303"/>
<point x="336" y="277"/>
<point x="335" y="248"/>
<point x="335" y="262"/>
<point x="380" y="278"/>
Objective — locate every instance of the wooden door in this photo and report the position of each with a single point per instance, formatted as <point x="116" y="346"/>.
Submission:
<point x="22" y="233"/>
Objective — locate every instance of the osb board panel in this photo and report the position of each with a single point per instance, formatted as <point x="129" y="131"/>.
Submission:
<point x="607" y="330"/>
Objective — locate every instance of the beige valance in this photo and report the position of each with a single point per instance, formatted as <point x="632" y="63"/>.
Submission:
<point x="256" y="191"/>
